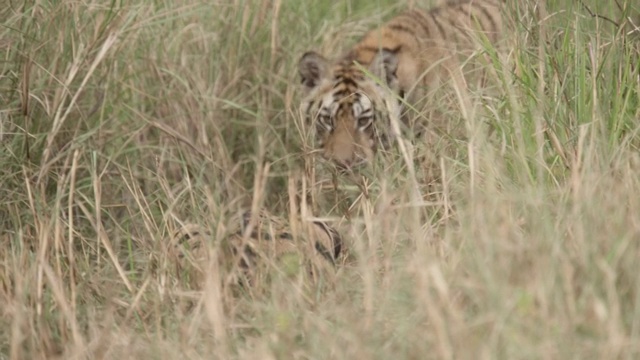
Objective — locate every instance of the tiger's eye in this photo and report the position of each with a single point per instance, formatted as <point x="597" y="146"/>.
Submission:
<point x="325" y="122"/>
<point x="365" y="122"/>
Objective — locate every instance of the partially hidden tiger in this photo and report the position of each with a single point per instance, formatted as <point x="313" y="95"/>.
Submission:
<point x="350" y="99"/>
<point x="258" y="245"/>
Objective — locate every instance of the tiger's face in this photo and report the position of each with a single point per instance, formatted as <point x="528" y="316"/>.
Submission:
<point x="348" y="108"/>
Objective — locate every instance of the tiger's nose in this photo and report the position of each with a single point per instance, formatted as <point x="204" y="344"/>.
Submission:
<point x="342" y="156"/>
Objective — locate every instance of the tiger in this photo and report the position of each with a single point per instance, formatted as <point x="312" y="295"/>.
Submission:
<point x="352" y="99"/>
<point x="258" y="243"/>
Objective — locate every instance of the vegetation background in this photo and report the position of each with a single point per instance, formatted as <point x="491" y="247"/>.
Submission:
<point x="120" y="121"/>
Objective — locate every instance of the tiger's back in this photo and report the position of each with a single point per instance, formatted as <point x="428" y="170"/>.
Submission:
<point x="416" y="50"/>
<point x="425" y="39"/>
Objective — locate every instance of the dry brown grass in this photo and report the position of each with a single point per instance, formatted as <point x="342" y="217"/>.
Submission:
<point x="119" y="122"/>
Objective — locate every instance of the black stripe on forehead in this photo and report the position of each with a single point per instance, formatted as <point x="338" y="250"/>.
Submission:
<point x="346" y="97"/>
<point x="345" y="81"/>
<point x="341" y="93"/>
<point x="345" y="87"/>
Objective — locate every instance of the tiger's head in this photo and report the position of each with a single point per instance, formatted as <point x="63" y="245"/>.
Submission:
<point x="348" y="103"/>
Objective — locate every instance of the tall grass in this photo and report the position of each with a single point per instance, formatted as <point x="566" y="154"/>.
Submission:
<point x="121" y="121"/>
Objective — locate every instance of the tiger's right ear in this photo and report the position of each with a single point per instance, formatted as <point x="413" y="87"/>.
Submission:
<point x="312" y="68"/>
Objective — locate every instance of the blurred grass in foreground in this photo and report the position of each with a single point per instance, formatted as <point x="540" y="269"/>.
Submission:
<point x="119" y="121"/>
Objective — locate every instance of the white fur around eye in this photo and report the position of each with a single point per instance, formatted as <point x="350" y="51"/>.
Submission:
<point x="362" y="106"/>
<point x="365" y="101"/>
<point x="357" y="109"/>
<point x="329" y="104"/>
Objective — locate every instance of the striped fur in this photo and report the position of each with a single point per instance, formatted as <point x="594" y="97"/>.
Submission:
<point x="408" y="55"/>
<point x="268" y="238"/>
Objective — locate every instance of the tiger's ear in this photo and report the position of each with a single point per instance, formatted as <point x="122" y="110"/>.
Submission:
<point x="385" y="66"/>
<point x="312" y="68"/>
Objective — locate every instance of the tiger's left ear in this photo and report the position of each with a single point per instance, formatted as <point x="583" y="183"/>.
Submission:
<point x="312" y="68"/>
<point x="385" y="66"/>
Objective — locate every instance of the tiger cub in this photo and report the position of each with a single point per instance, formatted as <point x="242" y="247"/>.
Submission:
<point x="260" y="242"/>
<point x="418" y="49"/>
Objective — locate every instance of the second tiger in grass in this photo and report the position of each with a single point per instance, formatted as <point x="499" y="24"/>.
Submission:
<point x="260" y="246"/>
<point x="352" y="97"/>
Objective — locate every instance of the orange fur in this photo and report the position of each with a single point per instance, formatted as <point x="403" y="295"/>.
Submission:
<point x="408" y="55"/>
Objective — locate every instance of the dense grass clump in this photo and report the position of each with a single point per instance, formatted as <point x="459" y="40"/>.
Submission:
<point x="510" y="230"/>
